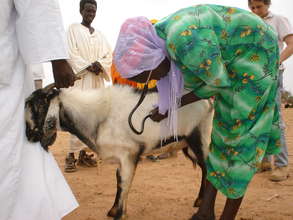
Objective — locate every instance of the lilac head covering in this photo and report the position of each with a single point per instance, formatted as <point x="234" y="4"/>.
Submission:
<point x="140" y="49"/>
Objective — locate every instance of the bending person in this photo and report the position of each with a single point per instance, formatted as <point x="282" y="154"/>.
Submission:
<point x="216" y="51"/>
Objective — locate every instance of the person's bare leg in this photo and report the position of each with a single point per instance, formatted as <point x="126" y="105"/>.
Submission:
<point x="231" y="209"/>
<point x="206" y="210"/>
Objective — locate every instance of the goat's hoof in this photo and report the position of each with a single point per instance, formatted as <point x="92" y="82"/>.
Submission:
<point x="123" y="217"/>
<point x="116" y="214"/>
<point x="112" y="212"/>
<point x="197" y="202"/>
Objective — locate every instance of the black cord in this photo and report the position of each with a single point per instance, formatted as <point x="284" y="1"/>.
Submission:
<point x="144" y="92"/>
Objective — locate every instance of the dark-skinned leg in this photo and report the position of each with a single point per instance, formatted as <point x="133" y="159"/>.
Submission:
<point x="206" y="210"/>
<point x="231" y="209"/>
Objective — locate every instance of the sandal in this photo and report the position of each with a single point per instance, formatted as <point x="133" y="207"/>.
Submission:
<point x="86" y="160"/>
<point x="70" y="164"/>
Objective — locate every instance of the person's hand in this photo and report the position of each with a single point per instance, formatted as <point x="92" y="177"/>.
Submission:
<point x="156" y="116"/>
<point x="91" y="69"/>
<point x="96" y="68"/>
<point x="64" y="77"/>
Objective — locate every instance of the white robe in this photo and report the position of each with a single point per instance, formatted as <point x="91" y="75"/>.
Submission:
<point x="32" y="186"/>
<point x="86" y="48"/>
<point x="37" y="71"/>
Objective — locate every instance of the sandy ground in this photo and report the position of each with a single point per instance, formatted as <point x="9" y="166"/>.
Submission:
<point x="166" y="190"/>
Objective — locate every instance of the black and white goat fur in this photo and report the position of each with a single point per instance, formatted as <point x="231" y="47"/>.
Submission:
<point x="99" y="119"/>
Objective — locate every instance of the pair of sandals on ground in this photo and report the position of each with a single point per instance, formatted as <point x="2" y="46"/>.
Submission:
<point x="84" y="160"/>
<point x="88" y="160"/>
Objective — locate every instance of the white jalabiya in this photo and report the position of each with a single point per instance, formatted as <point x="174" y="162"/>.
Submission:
<point x="31" y="184"/>
<point x="283" y="28"/>
<point x="86" y="48"/>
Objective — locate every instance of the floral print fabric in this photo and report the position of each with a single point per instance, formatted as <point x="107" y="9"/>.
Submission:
<point x="233" y="55"/>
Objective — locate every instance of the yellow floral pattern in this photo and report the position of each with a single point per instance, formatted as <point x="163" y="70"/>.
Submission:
<point x="232" y="55"/>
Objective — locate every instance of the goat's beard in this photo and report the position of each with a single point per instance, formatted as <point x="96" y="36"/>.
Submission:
<point x="50" y="132"/>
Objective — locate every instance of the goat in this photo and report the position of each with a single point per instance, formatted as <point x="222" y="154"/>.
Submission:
<point x="99" y="119"/>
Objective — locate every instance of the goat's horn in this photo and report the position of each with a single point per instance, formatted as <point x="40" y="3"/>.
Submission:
<point x="77" y="77"/>
<point x="49" y="87"/>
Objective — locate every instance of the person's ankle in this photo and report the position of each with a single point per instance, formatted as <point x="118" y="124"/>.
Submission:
<point x="203" y="216"/>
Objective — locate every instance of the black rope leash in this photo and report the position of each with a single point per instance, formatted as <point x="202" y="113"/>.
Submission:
<point x="144" y="92"/>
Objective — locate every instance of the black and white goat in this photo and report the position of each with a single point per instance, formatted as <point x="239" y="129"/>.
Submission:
<point x="99" y="119"/>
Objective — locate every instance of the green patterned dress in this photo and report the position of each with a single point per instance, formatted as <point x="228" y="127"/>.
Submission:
<point x="233" y="55"/>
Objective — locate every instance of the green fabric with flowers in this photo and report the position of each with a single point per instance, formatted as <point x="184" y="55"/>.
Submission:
<point x="230" y="54"/>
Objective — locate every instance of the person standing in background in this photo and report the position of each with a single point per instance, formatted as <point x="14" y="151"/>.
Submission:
<point x="31" y="184"/>
<point x="285" y="36"/>
<point x="89" y="50"/>
<point x="37" y="72"/>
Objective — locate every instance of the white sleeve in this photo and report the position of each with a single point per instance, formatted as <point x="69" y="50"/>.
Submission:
<point x="40" y="31"/>
<point x="284" y="27"/>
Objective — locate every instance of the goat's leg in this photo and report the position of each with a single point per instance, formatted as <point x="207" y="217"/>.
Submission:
<point x="200" y="195"/>
<point x="124" y="180"/>
<point x="124" y="177"/>
<point x="206" y="210"/>
<point x="114" y="210"/>
<point x="197" y="156"/>
<point x="198" y="159"/>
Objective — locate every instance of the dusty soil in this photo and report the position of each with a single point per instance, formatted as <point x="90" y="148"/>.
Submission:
<point x="166" y="190"/>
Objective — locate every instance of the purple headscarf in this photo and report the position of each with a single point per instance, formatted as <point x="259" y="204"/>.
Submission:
<point x="139" y="49"/>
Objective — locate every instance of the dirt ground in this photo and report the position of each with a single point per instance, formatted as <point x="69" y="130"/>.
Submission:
<point x="166" y="190"/>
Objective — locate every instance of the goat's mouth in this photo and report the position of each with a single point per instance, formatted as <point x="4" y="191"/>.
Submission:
<point x="33" y="139"/>
<point x="47" y="141"/>
<point x="46" y="135"/>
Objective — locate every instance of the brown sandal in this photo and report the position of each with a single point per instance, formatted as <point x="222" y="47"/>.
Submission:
<point x="70" y="166"/>
<point x="86" y="160"/>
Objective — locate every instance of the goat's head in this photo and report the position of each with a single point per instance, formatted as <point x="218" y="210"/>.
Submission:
<point x="39" y="126"/>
